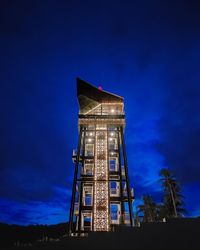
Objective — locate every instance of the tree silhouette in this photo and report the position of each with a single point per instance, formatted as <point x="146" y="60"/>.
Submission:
<point x="149" y="209"/>
<point x="173" y="200"/>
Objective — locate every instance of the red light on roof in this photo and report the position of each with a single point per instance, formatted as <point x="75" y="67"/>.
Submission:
<point x="100" y="88"/>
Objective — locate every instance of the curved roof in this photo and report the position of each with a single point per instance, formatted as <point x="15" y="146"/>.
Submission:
<point x="90" y="96"/>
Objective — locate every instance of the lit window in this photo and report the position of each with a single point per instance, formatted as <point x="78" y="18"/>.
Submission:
<point x="112" y="144"/>
<point x="86" y="221"/>
<point x="88" y="169"/>
<point x="87" y="194"/>
<point x="113" y="188"/>
<point x="114" y="212"/>
<point x="89" y="150"/>
<point x="88" y="199"/>
<point x="113" y="164"/>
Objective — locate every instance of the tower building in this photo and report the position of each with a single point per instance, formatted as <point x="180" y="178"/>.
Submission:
<point x="101" y="193"/>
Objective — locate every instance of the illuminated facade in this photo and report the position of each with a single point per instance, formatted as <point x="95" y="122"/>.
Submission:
<point x="101" y="194"/>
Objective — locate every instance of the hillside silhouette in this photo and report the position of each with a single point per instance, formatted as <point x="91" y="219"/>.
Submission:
<point x="174" y="234"/>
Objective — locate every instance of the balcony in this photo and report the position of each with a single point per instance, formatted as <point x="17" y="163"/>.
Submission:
<point x="87" y="171"/>
<point x="89" y="153"/>
<point x="74" y="155"/>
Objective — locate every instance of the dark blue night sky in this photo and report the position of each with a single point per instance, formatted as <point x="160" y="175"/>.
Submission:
<point x="146" y="51"/>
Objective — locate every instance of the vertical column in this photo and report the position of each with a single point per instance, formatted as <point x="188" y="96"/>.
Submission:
<point x="75" y="182"/>
<point x="81" y="184"/>
<point x="120" y="177"/>
<point x="101" y="220"/>
<point x="108" y="177"/>
<point x="126" y="174"/>
<point x="94" y="181"/>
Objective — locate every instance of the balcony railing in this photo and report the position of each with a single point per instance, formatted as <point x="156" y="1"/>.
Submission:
<point x="86" y="172"/>
<point x="74" y="152"/>
<point x="74" y="155"/>
<point x="89" y="153"/>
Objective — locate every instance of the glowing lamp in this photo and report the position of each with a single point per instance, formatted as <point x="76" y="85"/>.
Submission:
<point x="100" y="88"/>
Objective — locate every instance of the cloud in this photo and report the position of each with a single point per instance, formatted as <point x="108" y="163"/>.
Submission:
<point x="146" y="51"/>
<point x="145" y="161"/>
<point x="36" y="212"/>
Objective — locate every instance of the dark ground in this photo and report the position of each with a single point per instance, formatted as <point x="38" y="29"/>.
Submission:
<point x="174" y="234"/>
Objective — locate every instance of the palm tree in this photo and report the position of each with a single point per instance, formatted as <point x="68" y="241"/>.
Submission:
<point x="148" y="209"/>
<point x="173" y="200"/>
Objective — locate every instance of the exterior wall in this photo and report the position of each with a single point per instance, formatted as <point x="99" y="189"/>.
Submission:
<point x="100" y="169"/>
